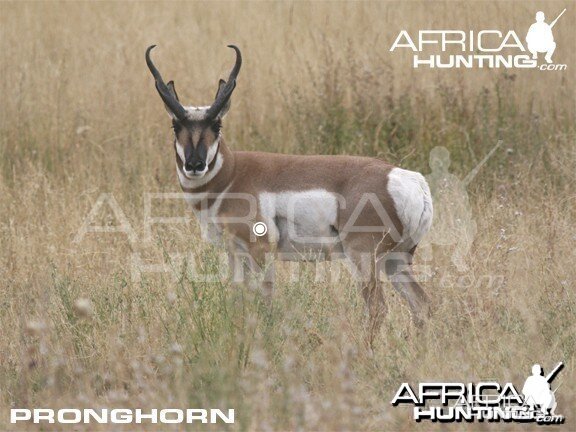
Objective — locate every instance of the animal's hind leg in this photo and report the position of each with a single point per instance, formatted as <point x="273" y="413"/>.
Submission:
<point x="374" y="298"/>
<point x="363" y="267"/>
<point x="398" y="267"/>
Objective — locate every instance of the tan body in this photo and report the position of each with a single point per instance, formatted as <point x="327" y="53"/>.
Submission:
<point x="255" y="173"/>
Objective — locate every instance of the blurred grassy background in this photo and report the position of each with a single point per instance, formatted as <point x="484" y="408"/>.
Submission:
<point x="80" y="117"/>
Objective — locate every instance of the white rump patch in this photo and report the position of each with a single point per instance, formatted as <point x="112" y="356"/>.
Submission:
<point x="412" y="201"/>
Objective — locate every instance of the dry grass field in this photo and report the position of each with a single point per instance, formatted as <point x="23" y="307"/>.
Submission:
<point x="81" y="327"/>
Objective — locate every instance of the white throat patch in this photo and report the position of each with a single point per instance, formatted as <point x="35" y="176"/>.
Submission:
<point x="193" y="183"/>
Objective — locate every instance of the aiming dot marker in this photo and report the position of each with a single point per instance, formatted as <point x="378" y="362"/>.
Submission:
<point x="260" y="229"/>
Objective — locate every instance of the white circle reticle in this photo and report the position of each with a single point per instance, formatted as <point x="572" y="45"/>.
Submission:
<point x="260" y="229"/>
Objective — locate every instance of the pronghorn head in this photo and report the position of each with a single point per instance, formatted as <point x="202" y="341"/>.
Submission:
<point x="197" y="129"/>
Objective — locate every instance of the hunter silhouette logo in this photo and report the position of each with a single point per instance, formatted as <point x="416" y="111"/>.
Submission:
<point x="540" y="38"/>
<point x="537" y="392"/>
<point x="484" y="401"/>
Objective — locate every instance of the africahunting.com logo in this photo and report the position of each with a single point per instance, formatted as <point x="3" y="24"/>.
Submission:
<point x="484" y="401"/>
<point x="491" y="48"/>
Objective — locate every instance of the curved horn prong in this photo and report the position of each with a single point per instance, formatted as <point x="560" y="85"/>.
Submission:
<point x="236" y="69"/>
<point x="224" y="95"/>
<point x="177" y="109"/>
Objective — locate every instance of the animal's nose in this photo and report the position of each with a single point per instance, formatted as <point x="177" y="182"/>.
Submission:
<point x="199" y="166"/>
<point x="195" y="166"/>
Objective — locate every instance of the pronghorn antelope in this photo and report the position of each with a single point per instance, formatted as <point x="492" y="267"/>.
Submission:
<point x="315" y="207"/>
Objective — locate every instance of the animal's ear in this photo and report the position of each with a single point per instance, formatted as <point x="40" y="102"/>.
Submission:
<point x="225" y="108"/>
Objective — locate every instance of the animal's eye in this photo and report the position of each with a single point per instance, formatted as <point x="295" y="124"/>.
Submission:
<point x="176" y="126"/>
<point x="216" y="126"/>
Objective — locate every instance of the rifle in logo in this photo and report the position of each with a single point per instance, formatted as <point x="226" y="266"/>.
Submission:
<point x="550" y="377"/>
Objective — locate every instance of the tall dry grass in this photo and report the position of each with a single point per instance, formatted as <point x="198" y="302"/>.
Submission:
<point x="80" y="117"/>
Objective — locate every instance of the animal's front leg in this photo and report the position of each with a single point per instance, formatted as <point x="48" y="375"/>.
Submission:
<point x="258" y="259"/>
<point x="262" y="266"/>
<point x="235" y="268"/>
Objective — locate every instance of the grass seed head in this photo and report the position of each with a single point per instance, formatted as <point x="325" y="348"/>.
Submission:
<point x="83" y="307"/>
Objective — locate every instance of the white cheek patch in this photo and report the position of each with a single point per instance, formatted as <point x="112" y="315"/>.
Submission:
<point x="180" y="152"/>
<point x="212" y="152"/>
<point x="209" y="157"/>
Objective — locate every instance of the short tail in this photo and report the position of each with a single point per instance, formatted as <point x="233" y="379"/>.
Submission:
<point x="427" y="213"/>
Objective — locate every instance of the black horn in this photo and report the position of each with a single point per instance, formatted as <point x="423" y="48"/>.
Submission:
<point x="224" y="94"/>
<point x="165" y="93"/>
